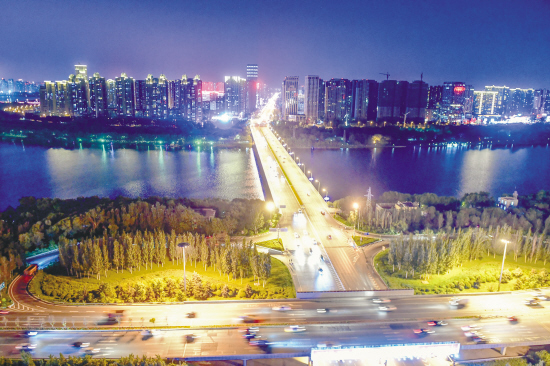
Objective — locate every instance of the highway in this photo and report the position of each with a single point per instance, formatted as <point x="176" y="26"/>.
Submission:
<point x="349" y="267"/>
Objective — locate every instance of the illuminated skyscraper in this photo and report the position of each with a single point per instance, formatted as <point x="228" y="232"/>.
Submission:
<point x="338" y="100"/>
<point x="485" y="103"/>
<point x="98" y="96"/>
<point x="290" y="98"/>
<point x="235" y="95"/>
<point x="456" y="102"/>
<point x="125" y="95"/>
<point x="311" y="108"/>
<point x="365" y="100"/>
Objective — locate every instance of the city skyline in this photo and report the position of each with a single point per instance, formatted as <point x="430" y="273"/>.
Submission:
<point x="483" y="44"/>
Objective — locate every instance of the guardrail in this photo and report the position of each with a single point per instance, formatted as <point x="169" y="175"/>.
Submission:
<point x="309" y="295"/>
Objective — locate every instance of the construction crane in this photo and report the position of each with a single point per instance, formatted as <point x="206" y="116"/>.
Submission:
<point x="387" y="75"/>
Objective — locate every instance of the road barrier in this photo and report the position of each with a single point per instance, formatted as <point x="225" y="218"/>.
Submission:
<point x="348" y="294"/>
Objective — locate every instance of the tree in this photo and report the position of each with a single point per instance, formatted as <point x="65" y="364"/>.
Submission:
<point x="116" y="255"/>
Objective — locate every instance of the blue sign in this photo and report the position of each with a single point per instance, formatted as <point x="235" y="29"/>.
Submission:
<point x="2" y="285"/>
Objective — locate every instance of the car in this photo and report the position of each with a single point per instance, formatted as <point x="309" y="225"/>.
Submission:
<point x="386" y="308"/>
<point x="327" y="344"/>
<point x="249" y="336"/>
<point x="189" y="338"/>
<point x="310" y="251"/>
<point x="308" y="193"/>
<point x="151" y="332"/>
<point x="314" y="241"/>
<point x="436" y="323"/>
<point x="30" y="333"/>
<point x="4" y="311"/>
<point x="380" y="300"/>
<point x="81" y="344"/>
<point x="531" y="302"/>
<point x="25" y="347"/>
<point x="472" y="333"/>
<point x="296" y="235"/>
<point x="295" y="329"/>
<point x="422" y="331"/>
<point x="320" y="270"/>
<point x="322" y="258"/>
<point x="470" y="327"/>
<point x="91" y="350"/>
<point x="479" y="339"/>
<point x="512" y="319"/>
<point x="329" y="236"/>
<point x="247" y="319"/>
<point x="191" y="314"/>
<point x="322" y="311"/>
<point x="305" y="233"/>
<point x="259" y="342"/>
<point x="322" y="212"/>
<point x="282" y="308"/>
<point x="299" y="210"/>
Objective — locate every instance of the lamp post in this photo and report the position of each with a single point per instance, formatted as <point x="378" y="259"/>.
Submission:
<point x="310" y="176"/>
<point x="318" y="186"/>
<point x="355" y="206"/>
<point x="182" y="246"/>
<point x="503" y="257"/>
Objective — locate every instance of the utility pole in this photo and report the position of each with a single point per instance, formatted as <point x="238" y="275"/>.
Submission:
<point x="405" y="119"/>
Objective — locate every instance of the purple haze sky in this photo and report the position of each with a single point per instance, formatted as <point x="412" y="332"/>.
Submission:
<point x="480" y="42"/>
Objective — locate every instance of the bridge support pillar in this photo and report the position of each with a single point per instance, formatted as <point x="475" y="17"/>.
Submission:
<point x="503" y="351"/>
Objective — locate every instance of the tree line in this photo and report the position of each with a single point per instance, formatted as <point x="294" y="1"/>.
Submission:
<point x="26" y="359"/>
<point x="36" y="223"/>
<point x="438" y="253"/>
<point x="132" y="251"/>
<point x="441" y="213"/>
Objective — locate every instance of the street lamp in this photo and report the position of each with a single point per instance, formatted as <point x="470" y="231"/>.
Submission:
<point x="503" y="257"/>
<point x="319" y="186"/>
<point x="310" y="176"/>
<point x="355" y="206"/>
<point x="326" y="195"/>
<point x="182" y="246"/>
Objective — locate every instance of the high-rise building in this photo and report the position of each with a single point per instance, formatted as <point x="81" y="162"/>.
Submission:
<point x="81" y="74"/>
<point x="252" y="85"/>
<point x="338" y="100"/>
<point x="140" y="98"/>
<point x="289" y="108"/>
<point x="392" y="100"/>
<point x="502" y="106"/>
<point x="11" y="86"/>
<point x="235" y="95"/>
<point x="78" y="90"/>
<point x="311" y="95"/>
<point x="434" y="102"/>
<point x="456" y="102"/>
<point x="54" y="99"/>
<point x="365" y="100"/>
<point x="111" y="97"/>
<point x="125" y="95"/>
<point x="540" y="101"/>
<point x="417" y="101"/>
<point x="98" y="96"/>
<point x="485" y="103"/>
<point x="321" y="103"/>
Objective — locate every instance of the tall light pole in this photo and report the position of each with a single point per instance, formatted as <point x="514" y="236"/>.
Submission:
<point x="355" y="206"/>
<point x="319" y="186"/>
<point x="182" y="246"/>
<point x="503" y="257"/>
<point x="310" y="176"/>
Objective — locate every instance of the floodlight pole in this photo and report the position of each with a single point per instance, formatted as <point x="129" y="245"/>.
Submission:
<point x="502" y="268"/>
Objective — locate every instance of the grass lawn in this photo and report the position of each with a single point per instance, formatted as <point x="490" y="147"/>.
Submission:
<point x="360" y="241"/>
<point x="342" y="220"/>
<point x="277" y="286"/>
<point x="445" y="283"/>
<point x="276" y="244"/>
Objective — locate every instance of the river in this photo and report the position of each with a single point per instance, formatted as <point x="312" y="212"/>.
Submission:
<point x="54" y="172"/>
<point x="232" y="173"/>
<point x="448" y="170"/>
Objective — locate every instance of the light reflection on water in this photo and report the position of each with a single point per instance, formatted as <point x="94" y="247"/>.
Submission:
<point x="42" y="172"/>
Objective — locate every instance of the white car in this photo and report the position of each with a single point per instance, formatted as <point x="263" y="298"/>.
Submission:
<point x="386" y="308"/>
<point x="151" y="332"/>
<point x="305" y="233"/>
<point x="299" y="210"/>
<point x="295" y="329"/>
<point x="282" y="308"/>
<point x="470" y="327"/>
<point x="296" y="235"/>
<point x="314" y="241"/>
<point x="380" y="300"/>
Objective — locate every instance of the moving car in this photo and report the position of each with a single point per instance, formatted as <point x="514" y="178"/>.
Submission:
<point x="189" y="338"/>
<point x="296" y="235"/>
<point x="25" y="347"/>
<point x="322" y="212"/>
<point x="531" y="302"/>
<point x="151" y="332"/>
<point x="282" y="308"/>
<point x="329" y="236"/>
<point x="4" y="311"/>
<point x="470" y="327"/>
<point x="512" y="319"/>
<point x="423" y="331"/>
<point x="479" y="339"/>
<point x="386" y="308"/>
<point x="436" y="323"/>
<point x="91" y="350"/>
<point x="327" y="344"/>
<point x="314" y="241"/>
<point x="295" y="329"/>
<point x="30" y="333"/>
<point x="299" y="210"/>
<point x="310" y="251"/>
<point x="259" y="342"/>
<point x="322" y="311"/>
<point x="81" y="344"/>
<point x="380" y="300"/>
<point x="247" y="319"/>
<point x="191" y="314"/>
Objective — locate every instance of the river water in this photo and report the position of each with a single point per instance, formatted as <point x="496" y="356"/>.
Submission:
<point x="232" y="173"/>
<point x="53" y="172"/>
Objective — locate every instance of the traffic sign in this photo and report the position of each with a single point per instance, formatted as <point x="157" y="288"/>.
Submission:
<point x="2" y="285"/>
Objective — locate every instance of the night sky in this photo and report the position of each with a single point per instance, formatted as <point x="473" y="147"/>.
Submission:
<point x="480" y="42"/>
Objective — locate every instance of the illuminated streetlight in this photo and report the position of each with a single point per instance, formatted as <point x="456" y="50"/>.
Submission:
<point x="319" y="186"/>
<point x="182" y="246"/>
<point x="310" y="177"/>
<point x="355" y="206"/>
<point x="503" y="257"/>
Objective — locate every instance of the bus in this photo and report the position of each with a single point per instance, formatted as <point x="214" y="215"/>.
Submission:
<point x="31" y="270"/>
